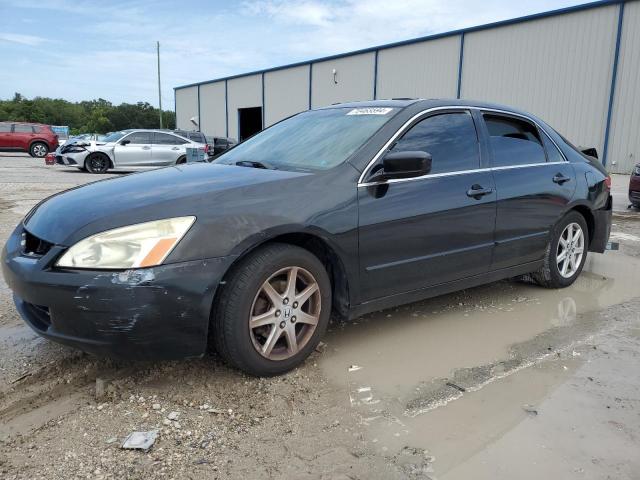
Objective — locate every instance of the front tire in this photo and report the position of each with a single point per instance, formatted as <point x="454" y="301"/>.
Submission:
<point x="38" y="149"/>
<point x="181" y="160"/>
<point x="272" y="310"/>
<point x="566" y="252"/>
<point x="97" y="163"/>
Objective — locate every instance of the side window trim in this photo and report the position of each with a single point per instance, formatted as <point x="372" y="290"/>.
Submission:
<point x="541" y="131"/>
<point x="520" y="118"/>
<point x="415" y="120"/>
<point x="423" y="114"/>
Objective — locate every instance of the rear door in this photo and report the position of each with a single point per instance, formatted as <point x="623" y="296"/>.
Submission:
<point x="534" y="184"/>
<point x="167" y="148"/>
<point x="420" y="232"/>
<point x="134" y="150"/>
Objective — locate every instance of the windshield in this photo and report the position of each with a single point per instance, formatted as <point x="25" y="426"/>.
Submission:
<point x="313" y="140"/>
<point x="114" y="137"/>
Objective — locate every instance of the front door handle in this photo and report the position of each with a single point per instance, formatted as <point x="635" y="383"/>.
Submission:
<point x="476" y="191"/>
<point x="146" y="148"/>
<point x="560" y="179"/>
<point x="175" y="148"/>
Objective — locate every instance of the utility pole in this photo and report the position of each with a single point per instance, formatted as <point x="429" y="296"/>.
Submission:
<point x="159" y="87"/>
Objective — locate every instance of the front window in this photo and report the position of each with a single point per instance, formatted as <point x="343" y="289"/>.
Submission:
<point x="313" y="140"/>
<point x="115" y="136"/>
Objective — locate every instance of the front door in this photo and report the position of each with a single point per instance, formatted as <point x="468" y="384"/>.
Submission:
<point x="534" y="184"/>
<point x="134" y="150"/>
<point x="421" y="232"/>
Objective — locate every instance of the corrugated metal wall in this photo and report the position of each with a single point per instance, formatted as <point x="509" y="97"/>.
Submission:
<point x="429" y="69"/>
<point x="212" y="109"/>
<point x="285" y="92"/>
<point x="353" y="80"/>
<point x="624" y="140"/>
<point x="243" y="92"/>
<point x="558" y="68"/>
<point x="186" y="107"/>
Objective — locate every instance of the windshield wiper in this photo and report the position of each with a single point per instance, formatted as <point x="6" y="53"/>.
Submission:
<point x="252" y="164"/>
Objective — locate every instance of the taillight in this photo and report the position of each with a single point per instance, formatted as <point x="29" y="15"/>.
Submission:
<point x="206" y="148"/>
<point x="607" y="182"/>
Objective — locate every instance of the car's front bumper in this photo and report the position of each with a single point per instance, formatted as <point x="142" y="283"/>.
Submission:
<point x="154" y="313"/>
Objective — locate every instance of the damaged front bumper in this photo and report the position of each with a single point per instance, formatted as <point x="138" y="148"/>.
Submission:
<point x="154" y="313"/>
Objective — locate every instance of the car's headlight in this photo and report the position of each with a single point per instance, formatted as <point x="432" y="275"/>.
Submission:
<point x="135" y="246"/>
<point x="637" y="170"/>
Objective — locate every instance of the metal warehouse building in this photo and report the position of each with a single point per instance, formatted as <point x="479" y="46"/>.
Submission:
<point x="578" y="68"/>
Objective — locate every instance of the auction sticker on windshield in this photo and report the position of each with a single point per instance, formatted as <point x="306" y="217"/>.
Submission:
<point x="370" y="111"/>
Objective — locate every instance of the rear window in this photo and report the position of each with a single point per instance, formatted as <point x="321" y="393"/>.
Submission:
<point x="514" y="141"/>
<point x="19" y="128"/>
<point x="166" y="139"/>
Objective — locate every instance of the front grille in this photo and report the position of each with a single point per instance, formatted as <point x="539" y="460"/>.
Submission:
<point x="34" y="246"/>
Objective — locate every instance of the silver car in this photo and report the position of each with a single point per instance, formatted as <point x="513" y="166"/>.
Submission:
<point x="127" y="149"/>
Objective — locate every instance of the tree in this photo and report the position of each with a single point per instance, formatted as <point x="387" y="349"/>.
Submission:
<point x="91" y="116"/>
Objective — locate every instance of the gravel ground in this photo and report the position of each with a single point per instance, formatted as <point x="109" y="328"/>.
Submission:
<point x="502" y="381"/>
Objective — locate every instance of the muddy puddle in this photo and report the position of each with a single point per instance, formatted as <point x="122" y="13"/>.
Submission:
<point x="399" y="368"/>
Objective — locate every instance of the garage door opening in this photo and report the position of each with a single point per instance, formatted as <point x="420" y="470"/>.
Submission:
<point x="249" y="121"/>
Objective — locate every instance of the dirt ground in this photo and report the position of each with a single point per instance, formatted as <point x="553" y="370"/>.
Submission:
<point x="507" y="380"/>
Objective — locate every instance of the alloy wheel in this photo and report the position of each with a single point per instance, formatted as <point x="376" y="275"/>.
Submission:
<point x="285" y="313"/>
<point x="98" y="164"/>
<point x="570" y="250"/>
<point x="39" y="150"/>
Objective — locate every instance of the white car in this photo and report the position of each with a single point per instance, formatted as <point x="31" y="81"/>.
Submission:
<point x="139" y="149"/>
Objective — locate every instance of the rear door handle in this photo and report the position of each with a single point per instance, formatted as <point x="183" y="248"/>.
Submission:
<point x="560" y="178"/>
<point x="476" y="191"/>
<point x="146" y="147"/>
<point x="175" y="148"/>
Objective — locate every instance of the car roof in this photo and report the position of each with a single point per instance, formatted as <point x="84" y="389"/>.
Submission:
<point x="25" y="123"/>
<point x="426" y="104"/>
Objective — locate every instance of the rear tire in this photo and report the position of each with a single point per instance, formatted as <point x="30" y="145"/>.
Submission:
<point x="181" y="160"/>
<point x="97" y="163"/>
<point x="566" y="253"/>
<point x="263" y="322"/>
<point x="38" y="149"/>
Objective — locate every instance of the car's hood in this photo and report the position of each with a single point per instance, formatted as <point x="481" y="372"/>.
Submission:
<point x="181" y="190"/>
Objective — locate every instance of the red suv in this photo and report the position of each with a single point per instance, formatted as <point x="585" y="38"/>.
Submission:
<point x="34" y="138"/>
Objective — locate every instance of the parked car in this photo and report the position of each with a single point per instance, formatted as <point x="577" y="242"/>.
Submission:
<point x="347" y="209"/>
<point x="634" y="187"/>
<point x="125" y="149"/>
<point x="33" y="138"/>
<point x="220" y="144"/>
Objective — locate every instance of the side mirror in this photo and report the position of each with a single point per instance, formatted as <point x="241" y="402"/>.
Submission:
<point x="404" y="165"/>
<point x="125" y="142"/>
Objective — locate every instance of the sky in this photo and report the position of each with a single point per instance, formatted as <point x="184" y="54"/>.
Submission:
<point x="85" y="49"/>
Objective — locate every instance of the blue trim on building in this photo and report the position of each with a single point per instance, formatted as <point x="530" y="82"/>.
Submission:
<point x="535" y="16"/>
<point x="612" y="89"/>
<point x="199" y="117"/>
<point x="310" y="82"/>
<point x="375" y="76"/>
<point x="226" y="108"/>
<point x="263" y="109"/>
<point x="460" y="62"/>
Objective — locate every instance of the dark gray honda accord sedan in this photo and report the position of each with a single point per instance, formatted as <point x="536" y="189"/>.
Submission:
<point x="342" y="210"/>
